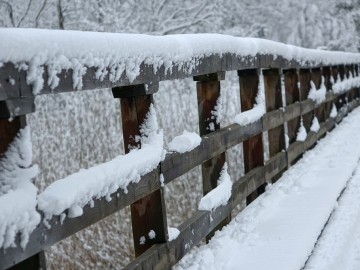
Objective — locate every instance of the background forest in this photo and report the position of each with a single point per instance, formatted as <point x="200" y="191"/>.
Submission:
<point x="84" y="129"/>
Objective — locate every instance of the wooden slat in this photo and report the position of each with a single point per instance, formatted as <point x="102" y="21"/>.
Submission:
<point x="273" y="99"/>
<point x="15" y="107"/>
<point x="208" y="93"/>
<point x="253" y="150"/>
<point x="316" y="77"/>
<point x="149" y="213"/>
<point x="292" y="95"/>
<point x="306" y="105"/>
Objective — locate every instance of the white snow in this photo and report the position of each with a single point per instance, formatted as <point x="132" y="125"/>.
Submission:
<point x="151" y="234"/>
<point x="113" y="54"/>
<point x="219" y="195"/>
<point x="79" y="189"/>
<point x="173" y="233"/>
<point x="333" y="112"/>
<point x="280" y="228"/>
<point x="254" y="114"/>
<point x="17" y="192"/>
<point x="339" y="245"/>
<point x="301" y="134"/>
<point x="317" y="95"/>
<point x="315" y="126"/>
<point x="142" y="240"/>
<point x="348" y="83"/>
<point x="185" y="142"/>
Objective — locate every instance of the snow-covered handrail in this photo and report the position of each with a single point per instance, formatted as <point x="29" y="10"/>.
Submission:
<point x="54" y="60"/>
<point x="317" y="83"/>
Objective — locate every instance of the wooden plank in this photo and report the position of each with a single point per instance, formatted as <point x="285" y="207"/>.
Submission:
<point x="308" y="106"/>
<point x="292" y="95"/>
<point x="38" y="262"/>
<point x="316" y="77"/>
<point x="148" y="213"/>
<point x="15" y="107"/>
<point x="273" y="99"/>
<point x="253" y="151"/>
<point x="147" y="73"/>
<point x="208" y="93"/>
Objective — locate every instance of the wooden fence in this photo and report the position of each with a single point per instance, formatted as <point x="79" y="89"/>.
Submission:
<point x="17" y="100"/>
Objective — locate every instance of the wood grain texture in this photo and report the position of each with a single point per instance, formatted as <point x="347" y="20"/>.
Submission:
<point x="149" y="212"/>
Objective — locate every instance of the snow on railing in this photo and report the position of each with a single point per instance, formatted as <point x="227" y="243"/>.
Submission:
<point x="112" y="54"/>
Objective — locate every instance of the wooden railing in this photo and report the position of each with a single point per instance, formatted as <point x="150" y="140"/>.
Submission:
<point x="17" y="100"/>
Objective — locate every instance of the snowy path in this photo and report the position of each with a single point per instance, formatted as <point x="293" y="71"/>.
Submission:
<point x="280" y="229"/>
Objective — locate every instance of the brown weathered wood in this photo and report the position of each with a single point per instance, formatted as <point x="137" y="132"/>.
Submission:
<point x="326" y="72"/>
<point x="15" y="107"/>
<point x="273" y="99"/>
<point x="36" y="262"/>
<point x="316" y="77"/>
<point x="208" y="93"/>
<point x="292" y="95"/>
<point x="304" y="79"/>
<point x="253" y="150"/>
<point x="148" y="213"/>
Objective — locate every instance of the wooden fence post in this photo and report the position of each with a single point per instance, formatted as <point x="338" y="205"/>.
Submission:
<point x="208" y="93"/>
<point x="148" y="213"/>
<point x="292" y="95"/>
<point x="273" y="99"/>
<point x="316" y="77"/>
<point x="341" y="101"/>
<point x="326" y="72"/>
<point x="304" y="79"/>
<point x="8" y="131"/>
<point x="253" y="150"/>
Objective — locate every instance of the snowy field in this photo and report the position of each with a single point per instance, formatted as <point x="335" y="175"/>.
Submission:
<point x="281" y="228"/>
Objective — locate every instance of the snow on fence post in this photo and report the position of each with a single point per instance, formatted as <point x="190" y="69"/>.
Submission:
<point x="9" y="128"/>
<point x="316" y="77"/>
<point x="292" y="95"/>
<point x="326" y="73"/>
<point x="341" y="101"/>
<point x="253" y="150"/>
<point x="208" y="94"/>
<point x="304" y="79"/>
<point x="149" y="213"/>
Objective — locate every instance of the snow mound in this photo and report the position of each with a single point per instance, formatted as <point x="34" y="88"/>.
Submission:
<point x="219" y="195"/>
<point x="185" y="142"/>
<point x="254" y="114"/>
<point x="317" y="95"/>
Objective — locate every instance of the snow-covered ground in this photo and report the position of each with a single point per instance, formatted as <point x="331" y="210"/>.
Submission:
<point x="280" y="229"/>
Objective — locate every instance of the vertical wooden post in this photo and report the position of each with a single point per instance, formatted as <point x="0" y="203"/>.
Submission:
<point x="292" y="95"/>
<point x="304" y="79"/>
<point x="326" y="72"/>
<point x="148" y="213"/>
<point x="316" y="77"/>
<point x="8" y="132"/>
<point x="273" y="98"/>
<point x="341" y="101"/>
<point x="208" y="93"/>
<point x="253" y="150"/>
